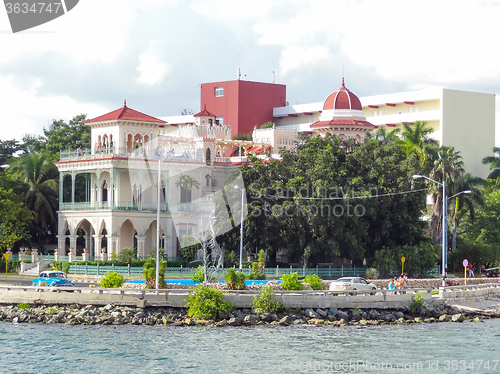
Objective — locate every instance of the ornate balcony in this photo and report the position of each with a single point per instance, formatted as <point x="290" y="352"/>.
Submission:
<point x="118" y="205"/>
<point x="186" y="207"/>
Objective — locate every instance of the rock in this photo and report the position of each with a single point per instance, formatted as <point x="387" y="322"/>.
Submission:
<point x="15" y="320"/>
<point x="417" y="319"/>
<point x="237" y="313"/>
<point x="457" y="317"/>
<point x="274" y="317"/>
<point x="321" y="312"/>
<point x="311" y="313"/>
<point x="453" y="310"/>
<point x="266" y="317"/>
<point x="108" y="307"/>
<point x="333" y="311"/>
<point x="341" y="322"/>
<point x="342" y="315"/>
<point x="236" y="321"/>
<point x="115" y="314"/>
<point x="373" y="315"/>
<point x="331" y="318"/>
<point x="363" y="322"/>
<point x="285" y="321"/>
<point x="389" y="318"/>
<point x="356" y="317"/>
<point x="250" y="320"/>
<point x="316" y="321"/>
<point x="477" y="319"/>
<point x="139" y="315"/>
<point x="399" y="315"/>
<point x="400" y="321"/>
<point x="298" y="321"/>
<point x="221" y="323"/>
<point x="443" y="318"/>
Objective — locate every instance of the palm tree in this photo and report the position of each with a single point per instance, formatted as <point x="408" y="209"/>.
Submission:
<point x="448" y="167"/>
<point x="494" y="162"/>
<point x="39" y="176"/>
<point x="416" y="138"/>
<point x="382" y="137"/>
<point x="466" y="202"/>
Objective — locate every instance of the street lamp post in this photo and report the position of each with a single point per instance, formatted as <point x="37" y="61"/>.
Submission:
<point x="160" y="160"/>
<point x="241" y="228"/>
<point x="444" y="262"/>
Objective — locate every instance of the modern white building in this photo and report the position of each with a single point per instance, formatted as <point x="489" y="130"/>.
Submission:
<point x="462" y="119"/>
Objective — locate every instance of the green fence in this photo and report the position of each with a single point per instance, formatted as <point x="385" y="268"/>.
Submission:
<point x="102" y="270"/>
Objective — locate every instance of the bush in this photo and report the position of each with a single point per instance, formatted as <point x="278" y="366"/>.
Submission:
<point x="257" y="276"/>
<point x="235" y="280"/>
<point x="372" y="273"/>
<point x="149" y="273"/>
<point x="65" y="267"/>
<point x="314" y="281"/>
<point x="264" y="302"/>
<point x="291" y="282"/>
<point x="416" y="304"/>
<point x="23" y="306"/>
<point x="112" y="280"/>
<point x="199" y="275"/>
<point x="206" y="302"/>
<point x="57" y="265"/>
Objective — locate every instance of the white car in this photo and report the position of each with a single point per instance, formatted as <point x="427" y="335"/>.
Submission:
<point x="351" y="284"/>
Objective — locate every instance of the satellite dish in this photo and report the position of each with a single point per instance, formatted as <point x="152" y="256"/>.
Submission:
<point x="187" y="112"/>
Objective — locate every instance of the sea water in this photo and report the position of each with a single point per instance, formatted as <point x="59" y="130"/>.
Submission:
<point x="417" y="348"/>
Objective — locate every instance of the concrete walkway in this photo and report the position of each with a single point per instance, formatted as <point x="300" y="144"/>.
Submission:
<point x="485" y="307"/>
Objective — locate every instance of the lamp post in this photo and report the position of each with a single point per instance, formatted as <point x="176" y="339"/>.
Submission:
<point x="241" y="228"/>
<point x="444" y="266"/>
<point x="444" y="261"/>
<point x="160" y="160"/>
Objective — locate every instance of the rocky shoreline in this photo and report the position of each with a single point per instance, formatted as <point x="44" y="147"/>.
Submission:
<point x="119" y="315"/>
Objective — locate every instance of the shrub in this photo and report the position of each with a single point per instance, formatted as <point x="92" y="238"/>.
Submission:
<point x="112" y="280"/>
<point x="264" y="302"/>
<point x="372" y="273"/>
<point x="314" y="281"/>
<point x="57" y="265"/>
<point x="291" y="282"/>
<point x="65" y="267"/>
<point x="149" y="273"/>
<point x="206" y="302"/>
<point x="199" y="274"/>
<point x="257" y="276"/>
<point x="235" y="280"/>
<point x="23" y="306"/>
<point x="416" y="304"/>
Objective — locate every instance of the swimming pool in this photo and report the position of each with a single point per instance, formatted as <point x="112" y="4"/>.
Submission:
<point x="189" y="282"/>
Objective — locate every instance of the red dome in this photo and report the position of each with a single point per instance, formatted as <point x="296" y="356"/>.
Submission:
<point x="342" y="99"/>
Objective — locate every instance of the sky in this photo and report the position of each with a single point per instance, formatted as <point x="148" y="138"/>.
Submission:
<point x="156" y="53"/>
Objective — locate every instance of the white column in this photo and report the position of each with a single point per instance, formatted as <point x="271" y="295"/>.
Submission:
<point x="141" y="241"/>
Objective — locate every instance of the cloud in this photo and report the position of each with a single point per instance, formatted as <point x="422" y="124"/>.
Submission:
<point x="151" y="70"/>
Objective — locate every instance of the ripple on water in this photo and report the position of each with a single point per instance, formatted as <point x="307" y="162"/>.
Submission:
<point x="50" y="348"/>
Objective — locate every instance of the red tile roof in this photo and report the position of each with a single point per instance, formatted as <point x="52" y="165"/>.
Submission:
<point x="342" y="99"/>
<point x="125" y="113"/>
<point x="204" y="113"/>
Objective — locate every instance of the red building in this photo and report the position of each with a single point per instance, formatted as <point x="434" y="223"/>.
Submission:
<point x="242" y="104"/>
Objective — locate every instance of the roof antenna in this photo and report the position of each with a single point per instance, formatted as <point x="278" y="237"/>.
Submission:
<point x="125" y="102"/>
<point x="342" y="72"/>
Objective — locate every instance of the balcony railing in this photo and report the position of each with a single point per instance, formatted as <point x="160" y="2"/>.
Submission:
<point x="186" y="207"/>
<point x="117" y="205"/>
<point x="142" y="153"/>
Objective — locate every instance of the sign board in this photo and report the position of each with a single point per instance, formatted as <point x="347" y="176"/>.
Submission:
<point x="465" y="263"/>
<point x="403" y="259"/>
<point x="6" y="256"/>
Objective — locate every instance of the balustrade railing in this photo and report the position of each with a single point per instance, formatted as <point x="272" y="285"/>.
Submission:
<point x="142" y="153"/>
<point x="116" y="205"/>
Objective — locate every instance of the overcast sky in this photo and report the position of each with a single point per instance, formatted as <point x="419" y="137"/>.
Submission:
<point x="156" y="53"/>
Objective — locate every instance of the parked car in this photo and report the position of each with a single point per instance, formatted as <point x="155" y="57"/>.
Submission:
<point x="351" y="284"/>
<point x="53" y="279"/>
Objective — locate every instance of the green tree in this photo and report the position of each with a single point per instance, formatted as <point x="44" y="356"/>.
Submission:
<point x="382" y="137"/>
<point x="494" y="162"/>
<point x="448" y="167"/>
<point x="416" y="138"/>
<point x="128" y="255"/>
<point x="38" y="176"/>
<point x="7" y="150"/>
<point x="62" y="136"/>
<point x="14" y="219"/>
<point x="149" y="273"/>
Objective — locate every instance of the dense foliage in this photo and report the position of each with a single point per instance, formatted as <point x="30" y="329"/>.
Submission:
<point x="265" y="301"/>
<point x="112" y="280"/>
<point x="207" y="302"/>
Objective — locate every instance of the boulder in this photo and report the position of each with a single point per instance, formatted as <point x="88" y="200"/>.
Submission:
<point x="285" y="321"/>
<point x="236" y="321"/>
<point x="250" y="320"/>
<point x="333" y="311"/>
<point x="321" y="312"/>
<point x="342" y="315"/>
<point x="457" y="317"/>
<point x="311" y="313"/>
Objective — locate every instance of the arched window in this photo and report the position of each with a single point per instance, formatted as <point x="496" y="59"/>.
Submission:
<point x="208" y="158"/>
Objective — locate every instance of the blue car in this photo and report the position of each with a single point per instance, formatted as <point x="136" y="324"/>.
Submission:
<point x="53" y="279"/>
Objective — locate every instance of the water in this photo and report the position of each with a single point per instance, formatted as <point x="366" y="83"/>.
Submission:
<point x="56" y="348"/>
